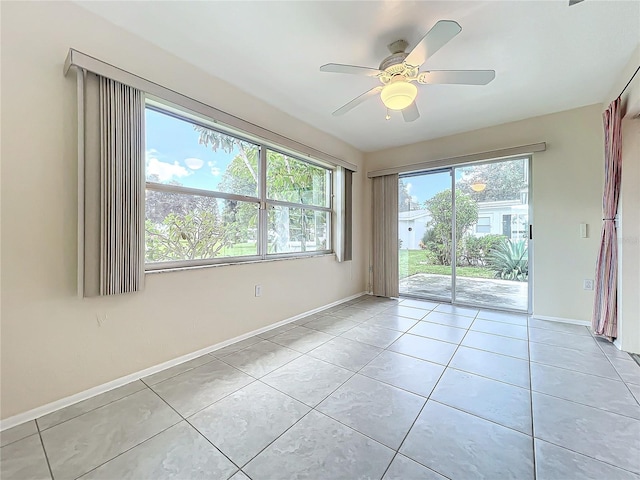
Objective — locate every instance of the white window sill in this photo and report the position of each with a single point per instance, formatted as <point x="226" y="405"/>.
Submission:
<point x="237" y="262"/>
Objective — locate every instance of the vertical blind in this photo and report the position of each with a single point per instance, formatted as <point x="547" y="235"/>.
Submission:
<point x="113" y="116"/>
<point x="385" y="236"/>
<point x="347" y="228"/>
<point x="122" y="187"/>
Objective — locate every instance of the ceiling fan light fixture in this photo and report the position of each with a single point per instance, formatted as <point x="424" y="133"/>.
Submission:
<point x="398" y="95"/>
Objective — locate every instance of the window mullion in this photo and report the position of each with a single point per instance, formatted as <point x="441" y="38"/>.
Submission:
<point x="263" y="220"/>
<point x="281" y="203"/>
<point x="162" y="187"/>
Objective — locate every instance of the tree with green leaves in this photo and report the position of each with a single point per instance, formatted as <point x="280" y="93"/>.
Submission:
<point x="185" y="227"/>
<point x="288" y="180"/>
<point x="503" y="180"/>
<point x="191" y="230"/>
<point x="405" y="200"/>
<point x="438" y="235"/>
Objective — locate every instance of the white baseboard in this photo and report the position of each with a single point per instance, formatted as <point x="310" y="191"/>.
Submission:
<point x="105" y="387"/>
<point x="562" y="320"/>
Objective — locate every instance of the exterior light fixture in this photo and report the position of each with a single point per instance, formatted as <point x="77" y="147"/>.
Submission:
<point x="398" y="94"/>
<point x="478" y="186"/>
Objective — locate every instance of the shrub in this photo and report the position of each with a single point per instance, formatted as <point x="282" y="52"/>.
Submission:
<point x="477" y="249"/>
<point x="510" y="260"/>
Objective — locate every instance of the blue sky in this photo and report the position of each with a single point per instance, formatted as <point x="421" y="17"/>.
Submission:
<point x="424" y="187"/>
<point x="174" y="154"/>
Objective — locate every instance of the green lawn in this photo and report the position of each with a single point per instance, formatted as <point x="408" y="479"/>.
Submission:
<point x="239" y="249"/>
<point x="411" y="262"/>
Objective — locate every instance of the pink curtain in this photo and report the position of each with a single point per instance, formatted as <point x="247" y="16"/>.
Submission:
<point x="605" y="321"/>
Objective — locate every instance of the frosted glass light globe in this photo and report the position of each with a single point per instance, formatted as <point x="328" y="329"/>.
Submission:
<point x="398" y="95"/>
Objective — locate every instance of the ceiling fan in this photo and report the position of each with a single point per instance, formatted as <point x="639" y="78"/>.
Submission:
<point x="400" y="70"/>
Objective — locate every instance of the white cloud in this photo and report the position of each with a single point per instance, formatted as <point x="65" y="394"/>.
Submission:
<point x="215" y="171"/>
<point x="163" y="170"/>
<point x="194" y="163"/>
<point x="408" y="185"/>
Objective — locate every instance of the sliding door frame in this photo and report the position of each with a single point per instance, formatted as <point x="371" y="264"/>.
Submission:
<point x="451" y="175"/>
<point x="452" y="171"/>
<point x="454" y="239"/>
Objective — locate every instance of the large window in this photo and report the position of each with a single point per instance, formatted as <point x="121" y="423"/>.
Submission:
<point x="205" y="189"/>
<point x="298" y="198"/>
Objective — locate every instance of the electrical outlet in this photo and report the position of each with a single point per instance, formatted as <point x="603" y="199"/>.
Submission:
<point x="258" y="290"/>
<point x="588" y="284"/>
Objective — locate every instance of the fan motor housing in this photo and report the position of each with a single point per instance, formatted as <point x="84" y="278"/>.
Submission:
<point x="393" y="64"/>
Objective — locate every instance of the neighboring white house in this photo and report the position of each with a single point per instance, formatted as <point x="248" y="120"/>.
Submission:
<point x="507" y="217"/>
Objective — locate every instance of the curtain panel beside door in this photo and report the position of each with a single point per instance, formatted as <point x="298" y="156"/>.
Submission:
<point x="385" y="236"/>
<point x="605" y="315"/>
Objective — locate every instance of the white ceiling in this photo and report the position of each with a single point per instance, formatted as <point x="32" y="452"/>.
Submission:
<point x="548" y="57"/>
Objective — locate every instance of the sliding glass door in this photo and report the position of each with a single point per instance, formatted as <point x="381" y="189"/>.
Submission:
<point x="424" y="231"/>
<point x="464" y="234"/>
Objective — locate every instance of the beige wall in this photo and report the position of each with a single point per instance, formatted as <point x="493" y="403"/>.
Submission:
<point x="629" y="238"/>
<point x="52" y="345"/>
<point x="629" y="209"/>
<point x="567" y="189"/>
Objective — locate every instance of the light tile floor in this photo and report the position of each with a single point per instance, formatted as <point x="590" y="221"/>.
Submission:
<point x="370" y="389"/>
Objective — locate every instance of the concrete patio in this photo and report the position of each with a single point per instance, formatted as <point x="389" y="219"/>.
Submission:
<point x="488" y="292"/>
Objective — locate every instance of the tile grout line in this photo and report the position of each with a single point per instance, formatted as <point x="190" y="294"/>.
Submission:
<point x="354" y="373"/>
<point x="466" y="371"/>
<point x="585" y="405"/>
<point x="313" y="409"/>
<point x="626" y="384"/>
<point x="348" y="426"/>
<point x="533" y="431"/>
<point x="577" y="403"/>
<point x="44" y="450"/>
<point x="147" y="387"/>
<point x="180" y="373"/>
<point x="193" y="426"/>
<point x="88" y="411"/>
<point x="127" y="450"/>
<point x="240" y="468"/>
<point x="480" y="417"/>
<point x="425" y="404"/>
<point x="22" y="438"/>
<point x="586" y="456"/>
<point x="134" y="446"/>
<point x="257" y="378"/>
<point x="540" y="362"/>
<point x="284" y="393"/>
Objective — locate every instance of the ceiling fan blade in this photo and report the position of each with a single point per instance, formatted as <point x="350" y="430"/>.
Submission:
<point x="441" y="33"/>
<point x="350" y="69"/>
<point x="357" y="101"/>
<point x="459" y="77"/>
<point x="573" y="2"/>
<point x="411" y="113"/>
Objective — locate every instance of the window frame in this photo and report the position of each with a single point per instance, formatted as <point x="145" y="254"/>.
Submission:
<point x="270" y="203"/>
<point x="264" y="204"/>
<point x="489" y="224"/>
